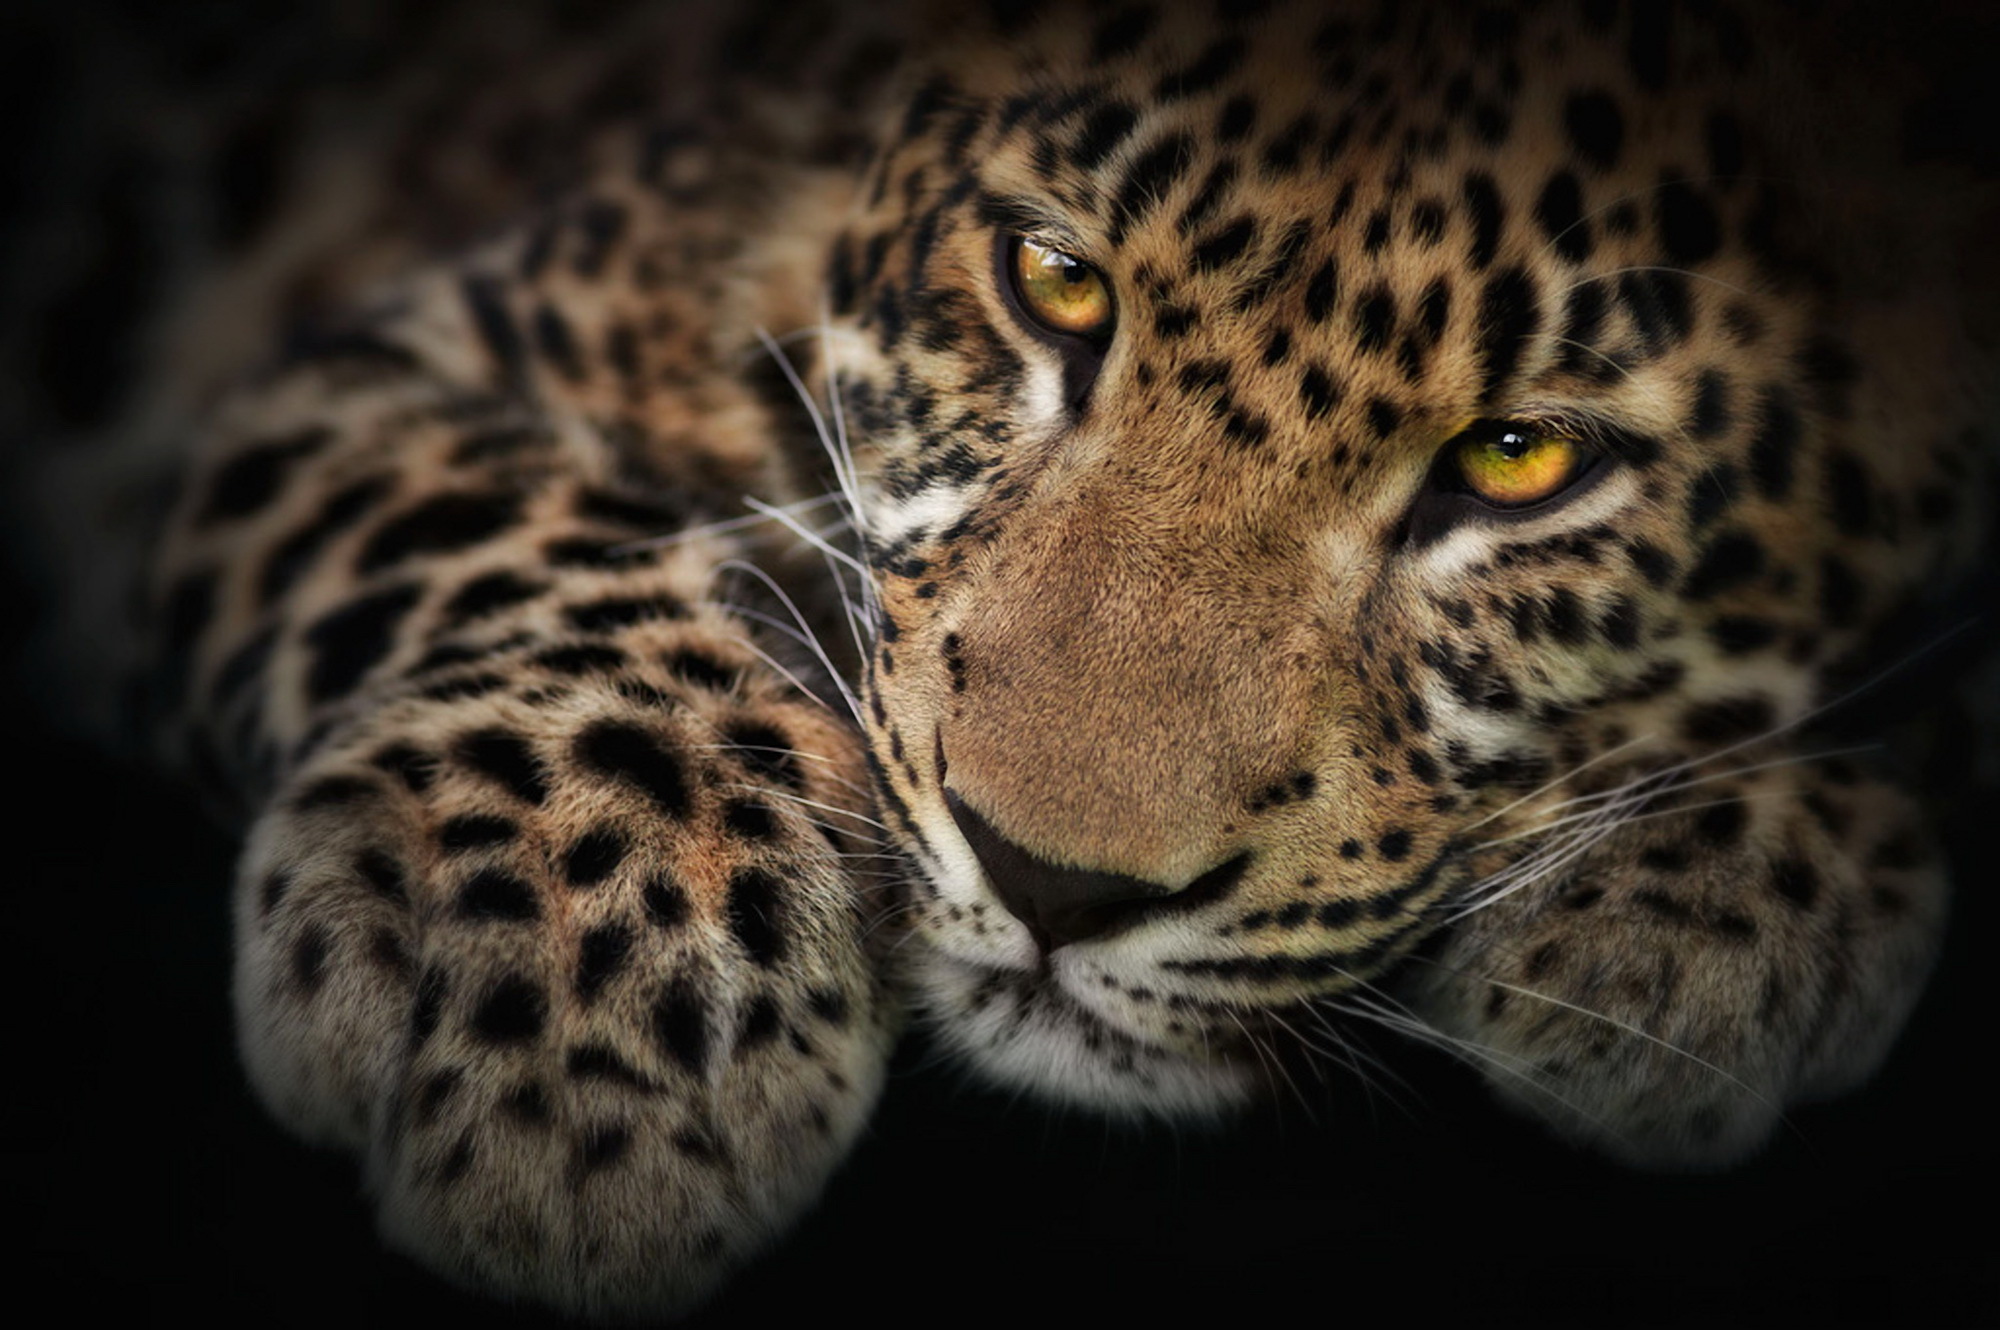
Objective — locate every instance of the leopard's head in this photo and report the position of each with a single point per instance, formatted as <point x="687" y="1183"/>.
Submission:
<point x="1294" y="457"/>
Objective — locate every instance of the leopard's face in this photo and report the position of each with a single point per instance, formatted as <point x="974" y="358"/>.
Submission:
<point x="1292" y="460"/>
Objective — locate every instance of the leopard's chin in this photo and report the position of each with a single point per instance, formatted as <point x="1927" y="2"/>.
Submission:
<point x="1033" y="1031"/>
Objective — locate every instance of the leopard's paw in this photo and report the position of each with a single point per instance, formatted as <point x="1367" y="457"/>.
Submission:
<point x="1673" y="993"/>
<point x="579" y="968"/>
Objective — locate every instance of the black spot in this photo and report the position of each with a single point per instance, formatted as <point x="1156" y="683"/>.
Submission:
<point x="1653" y="563"/>
<point x="1105" y="129"/>
<point x="623" y="611"/>
<point x="752" y="912"/>
<point x="585" y="658"/>
<point x="383" y="875"/>
<point x="1666" y="858"/>
<point x="506" y="760"/>
<point x="1374" y="319"/>
<point x="334" y="792"/>
<point x="627" y="753"/>
<point x="601" y="1147"/>
<point x="1710" y="493"/>
<point x="353" y="639"/>
<point x="1741" y="634"/>
<point x="680" y="1026"/>
<point x="1661" y="308"/>
<point x="473" y="831"/>
<point x="651" y="513"/>
<point x="434" y="1093"/>
<point x="829" y="1005"/>
<point x="1663" y="905"/>
<point x="1209" y="68"/>
<point x="1384" y="417"/>
<point x="601" y="222"/>
<point x="666" y="903"/>
<point x="603" y="954"/>
<point x="495" y="442"/>
<point x="1729" y="719"/>
<point x="750" y="819"/>
<point x="1238" y="115"/>
<point x="458" y="1162"/>
<point x="486" y="301"/>
<point x="1711" y="414"/>
<point x="512" y="1012"/>
<point x="309" y="955"/>
<point x="528" y="1104"/>
<point x="276" y="884"/>
<point x="599" y="1062"/>
<point x="1560" y="212"/>
<point x="557" y="343"/>
<point x="1316" y="392"/>
<point x="1620" y="624"/>
<point x="1394" y="846"/>
<point x="432" y="989"/>
<point x="1797" y="881"/>
<point x="416" y="769"/>
<point x="440" y="525"/>
<point x="1688" y="225"/>
<point x="1224" y="246"/>
<point x="583" y="552"/>
<point x="491" y="895"/>
<point x="759" y="1024"/>
<point x="766" y="751"/>
<point x="1378" y="232"/>
<point x="249" y="480"/>
<point x="477" y="685"/>
<point x="1722" y="823"/>
<point x="1509" y="315"/>
<point x="1148" y="179"/>
<point x="1731" y="559"/>
<point x="1322" y="291"/>
<point x="1595" y="127"/>
<point x="594" y="857"/>
<point x="488" y="594"/>
<point x="1482" y="202"/>
<point x="702" y="670"/>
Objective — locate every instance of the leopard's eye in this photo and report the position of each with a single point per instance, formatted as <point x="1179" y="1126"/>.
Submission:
<point x="1512" y="466"/>
<point x="1059" y="291"/>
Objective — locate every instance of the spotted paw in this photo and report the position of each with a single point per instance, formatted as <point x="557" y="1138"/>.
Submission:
<point x="580" y="969"/>
<point x="1703" y="971"/>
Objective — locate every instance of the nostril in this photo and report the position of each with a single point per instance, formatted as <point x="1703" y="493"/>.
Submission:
<point x="1058" y="904"/>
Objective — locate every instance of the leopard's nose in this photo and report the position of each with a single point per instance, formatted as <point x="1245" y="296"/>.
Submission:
<point x="1061" y="905"/>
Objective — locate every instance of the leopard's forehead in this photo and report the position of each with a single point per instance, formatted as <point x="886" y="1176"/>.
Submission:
<point x="1344" y="234"/>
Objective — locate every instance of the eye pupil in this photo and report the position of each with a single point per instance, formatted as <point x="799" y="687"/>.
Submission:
<point x="1513" y="446"/>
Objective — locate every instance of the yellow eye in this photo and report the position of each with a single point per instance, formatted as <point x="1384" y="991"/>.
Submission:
<point x="1512" y="467"/>
<point x="1062" y="293"/>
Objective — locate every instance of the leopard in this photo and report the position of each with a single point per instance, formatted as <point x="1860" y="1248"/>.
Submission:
<point x="1126" y="537"/>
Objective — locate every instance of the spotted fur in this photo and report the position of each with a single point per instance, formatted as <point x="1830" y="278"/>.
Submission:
<point x="1203" y="709"/>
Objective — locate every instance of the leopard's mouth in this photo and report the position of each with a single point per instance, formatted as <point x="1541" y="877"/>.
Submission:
<point x="1035" y="1029"/>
